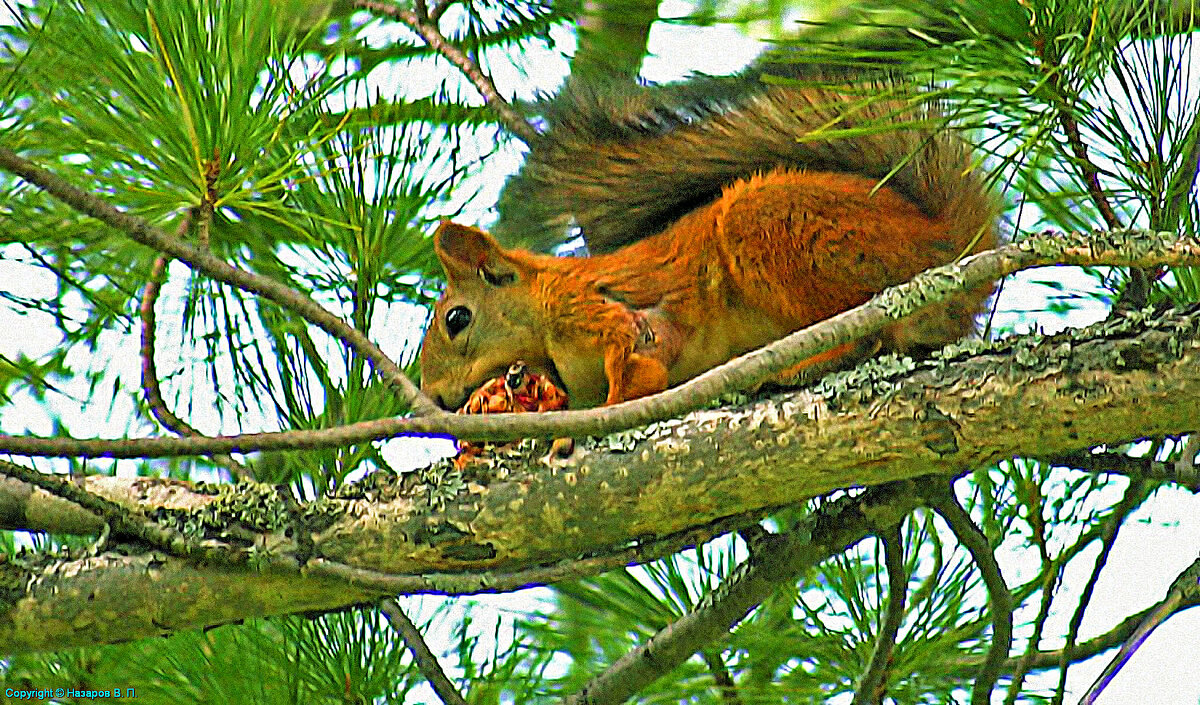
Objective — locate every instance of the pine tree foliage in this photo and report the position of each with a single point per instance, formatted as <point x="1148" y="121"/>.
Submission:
<point x="337" y="658"/>
<point x="289" y="139"/>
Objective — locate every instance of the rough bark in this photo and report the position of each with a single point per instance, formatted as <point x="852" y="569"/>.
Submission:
<point x="440" y="530"/>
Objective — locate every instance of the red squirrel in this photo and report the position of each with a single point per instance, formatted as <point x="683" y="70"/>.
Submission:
<point x="723" y="223"/>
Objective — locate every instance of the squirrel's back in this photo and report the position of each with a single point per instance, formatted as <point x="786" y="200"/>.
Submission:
<point x="623" y="162"/>
<point x="722" y="214"/>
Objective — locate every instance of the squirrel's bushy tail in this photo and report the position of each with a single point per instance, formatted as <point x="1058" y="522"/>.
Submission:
<point x="623" y="163"/>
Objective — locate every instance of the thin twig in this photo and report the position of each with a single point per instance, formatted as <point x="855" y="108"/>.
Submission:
<point x="150" y="384"/>
<point x="1051" y="570"/>
<point x="928" y="288"/>
<point x="436" y="11"/>
<point x="1000" y="603"/>
<point x="428" y="29"/>
<point x="424" y="658"/>
<point x="151" y="388"/>
<point x="202" y="261"/>
<point x="1184" y="591"/>
<point x="831" y="529"/>
<point x="1023" y="664"/>
<point x="1134" y="495"/>
<point x="1082" y="652"/>
<point x="873" y="685"/>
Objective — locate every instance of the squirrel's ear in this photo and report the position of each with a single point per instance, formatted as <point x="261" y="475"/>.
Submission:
<point x="467" y="252"/>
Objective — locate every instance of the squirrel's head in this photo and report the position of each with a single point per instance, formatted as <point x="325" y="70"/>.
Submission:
<point x="485" y="320"/>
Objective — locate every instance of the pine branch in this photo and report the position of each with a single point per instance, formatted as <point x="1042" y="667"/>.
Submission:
<point x="1045" y="47"/>
<point x="775" y="560"/>
<point x="873" y="685"/>
<point x="1129" y="248"/>
<point x="1000" y="603"/>
<point x="202" y="261"/>
<point x="1137" y="290"/>
<point x="613" y="36"/>
<point x="426" y="25"/>
<point x="422" y="656"/>
<point x="1135" y="494"/>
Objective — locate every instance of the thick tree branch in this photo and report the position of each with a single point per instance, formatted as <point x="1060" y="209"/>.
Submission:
<point x="205" y="262"/>
<point x="111" y="598"/>
<point x="441" y="529"/>
<point x="1133" y="248"/>
<point x="484" y="581"/>
<point x="125" y="520"/>
<point x="129" y="519"/>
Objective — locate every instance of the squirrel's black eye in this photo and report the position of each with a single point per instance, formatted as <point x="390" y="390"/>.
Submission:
<point x="457" y="318"/>
<point x="497" y="278"/>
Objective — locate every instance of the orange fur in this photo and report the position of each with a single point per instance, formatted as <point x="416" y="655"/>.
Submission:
<point x="774" y="254"/>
